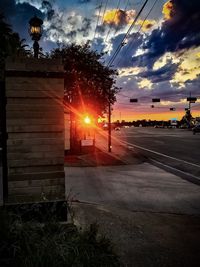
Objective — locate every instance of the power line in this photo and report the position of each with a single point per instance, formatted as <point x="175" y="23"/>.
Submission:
<point x="104" y="12"/>
<point x="129" y="45"/>
<point x="118" y="4"/>
<point x="98" y="16"/>
<point x="125" y="36"/>
<point x="117" y="28"/>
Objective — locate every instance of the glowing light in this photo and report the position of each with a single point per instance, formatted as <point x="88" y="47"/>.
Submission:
<point x="87" y="120"/>
<point x="35" y="29"/>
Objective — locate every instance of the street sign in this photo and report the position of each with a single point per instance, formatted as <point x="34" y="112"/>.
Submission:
<point x="133" y="100"/>
<point x="87" y="142"/>
<point x="156" y="100"/>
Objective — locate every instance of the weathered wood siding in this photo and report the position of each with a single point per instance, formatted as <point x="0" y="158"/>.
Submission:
<point x="35" y="127"/>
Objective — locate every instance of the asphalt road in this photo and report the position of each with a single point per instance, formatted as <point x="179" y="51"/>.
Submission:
<point x="177" y="148"/>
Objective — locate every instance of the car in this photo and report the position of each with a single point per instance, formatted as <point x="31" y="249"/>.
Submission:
<point x="196" y="129"/>
<point x="117" y="128"/>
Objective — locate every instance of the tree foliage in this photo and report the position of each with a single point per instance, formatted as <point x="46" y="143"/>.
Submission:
<point x="89" y="85"/>
<point x="10" y="44"/>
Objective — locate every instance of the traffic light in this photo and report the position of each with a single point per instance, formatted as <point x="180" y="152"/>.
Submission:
<point x="152" y="106"/>
<point x="133" y="100"/>
<point x="156" y="100"/>
<point x="192" y="99"/>
<point x="172" y="109"/>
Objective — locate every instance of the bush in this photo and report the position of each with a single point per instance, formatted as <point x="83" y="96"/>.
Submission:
<point x="51" y="244"/>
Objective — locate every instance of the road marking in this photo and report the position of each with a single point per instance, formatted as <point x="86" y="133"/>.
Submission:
<point x="186" y="173"/>
<point x="161" y="154"/>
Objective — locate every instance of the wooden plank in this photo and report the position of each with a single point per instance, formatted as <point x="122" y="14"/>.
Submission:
<point x="34" y="94"/>
<point x="34" y="102"/>
<point x="35" y="122"/>
<point x="37" y="84"/>
<point x="35" y="155"/>
<point x="20" y="114"/>
<point x="35" y="128"/>
<point x="11" y="109"/>
<point x="37" y="176"/>
<point x="35" y="183"/>
<point x="42" y="191"/>
<point x="37" y="138"/>
<point x="37" y="143"/>
<point x="36" y="162"/>
<point x="35" y="169"/>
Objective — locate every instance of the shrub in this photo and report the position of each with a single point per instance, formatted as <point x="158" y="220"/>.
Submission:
<point x="51" y="244"/>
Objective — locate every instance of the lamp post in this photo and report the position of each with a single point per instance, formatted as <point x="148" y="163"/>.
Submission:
<point x="35" y="31"/>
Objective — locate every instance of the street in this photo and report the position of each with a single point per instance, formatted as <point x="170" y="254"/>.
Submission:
<point x="151" y="213"/>
<point x="141" y="185"/>
<point x="177" y="148"/>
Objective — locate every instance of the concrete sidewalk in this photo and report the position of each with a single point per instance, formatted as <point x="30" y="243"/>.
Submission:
<point x="145" y="239"/>
<point x="152" y="216"/>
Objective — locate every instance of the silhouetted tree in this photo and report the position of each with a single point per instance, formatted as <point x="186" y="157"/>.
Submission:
<point x="89" y="85"/>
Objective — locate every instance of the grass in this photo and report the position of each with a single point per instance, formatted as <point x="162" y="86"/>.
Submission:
<point x="51" y="244"/>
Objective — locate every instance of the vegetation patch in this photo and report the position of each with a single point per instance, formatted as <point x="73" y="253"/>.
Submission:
<point x="35" y="244"/>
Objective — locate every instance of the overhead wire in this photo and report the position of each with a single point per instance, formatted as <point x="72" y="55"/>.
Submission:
<point x="104" y="11"/>
<point x="130" y="45"/>
<point x="98" y="17"/>
<point x="108" y="33"/>
<point x="125" y="36"/>
<point x="116" y="30"/>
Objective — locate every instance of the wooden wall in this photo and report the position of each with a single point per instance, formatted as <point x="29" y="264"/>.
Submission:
<point x="35" y="127"/>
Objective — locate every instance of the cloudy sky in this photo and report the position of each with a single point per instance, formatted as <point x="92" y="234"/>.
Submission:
<point x="160" y="57"/>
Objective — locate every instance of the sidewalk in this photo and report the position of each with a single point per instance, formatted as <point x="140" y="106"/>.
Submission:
<point x="151" y="216"/>
<point x="120" y="155"/>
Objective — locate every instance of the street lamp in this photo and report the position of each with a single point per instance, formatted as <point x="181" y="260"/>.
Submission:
<point x="35" y="31"/>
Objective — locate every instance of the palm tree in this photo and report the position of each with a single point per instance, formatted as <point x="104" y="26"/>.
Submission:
<point x="10" y="44"/>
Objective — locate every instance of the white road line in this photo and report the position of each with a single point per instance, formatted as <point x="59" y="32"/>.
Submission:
<point x="161" y="154"/>
<point x="186" y="173"/>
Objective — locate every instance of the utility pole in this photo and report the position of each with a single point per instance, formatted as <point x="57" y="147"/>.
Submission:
<point x="109" y="125"/>
<point x="190" y="103"/>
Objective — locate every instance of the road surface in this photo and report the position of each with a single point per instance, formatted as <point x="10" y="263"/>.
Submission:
<point x="142" y="186"/>
<point x="152" y="215"/>
<point x="177" y="148"/>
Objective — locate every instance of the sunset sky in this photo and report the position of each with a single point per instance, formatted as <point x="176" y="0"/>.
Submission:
<point x="160" y="57"/>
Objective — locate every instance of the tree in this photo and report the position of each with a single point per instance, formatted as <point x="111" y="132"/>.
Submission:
<point x="187" y="119"/>
<point x="89" y="85"/>
<point x="10" y="43"/>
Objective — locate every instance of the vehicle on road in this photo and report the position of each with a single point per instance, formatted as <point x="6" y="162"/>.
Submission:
<point x="196" y="129"/>
<point x="117" y="128"/>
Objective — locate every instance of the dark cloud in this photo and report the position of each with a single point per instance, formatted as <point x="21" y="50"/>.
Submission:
<point x="179" y="32"/>
<point x="98" y="45"/>
<point x="18" y="15"/>
<point x="46" y="5"/>
<point x="124" y="58"/>
<point x="162" y="74"/>
<point x="83" y="1"/>
<point x="86" y="27"/>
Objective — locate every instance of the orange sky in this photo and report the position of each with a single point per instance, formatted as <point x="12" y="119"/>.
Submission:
<point x="132" y="116"/>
